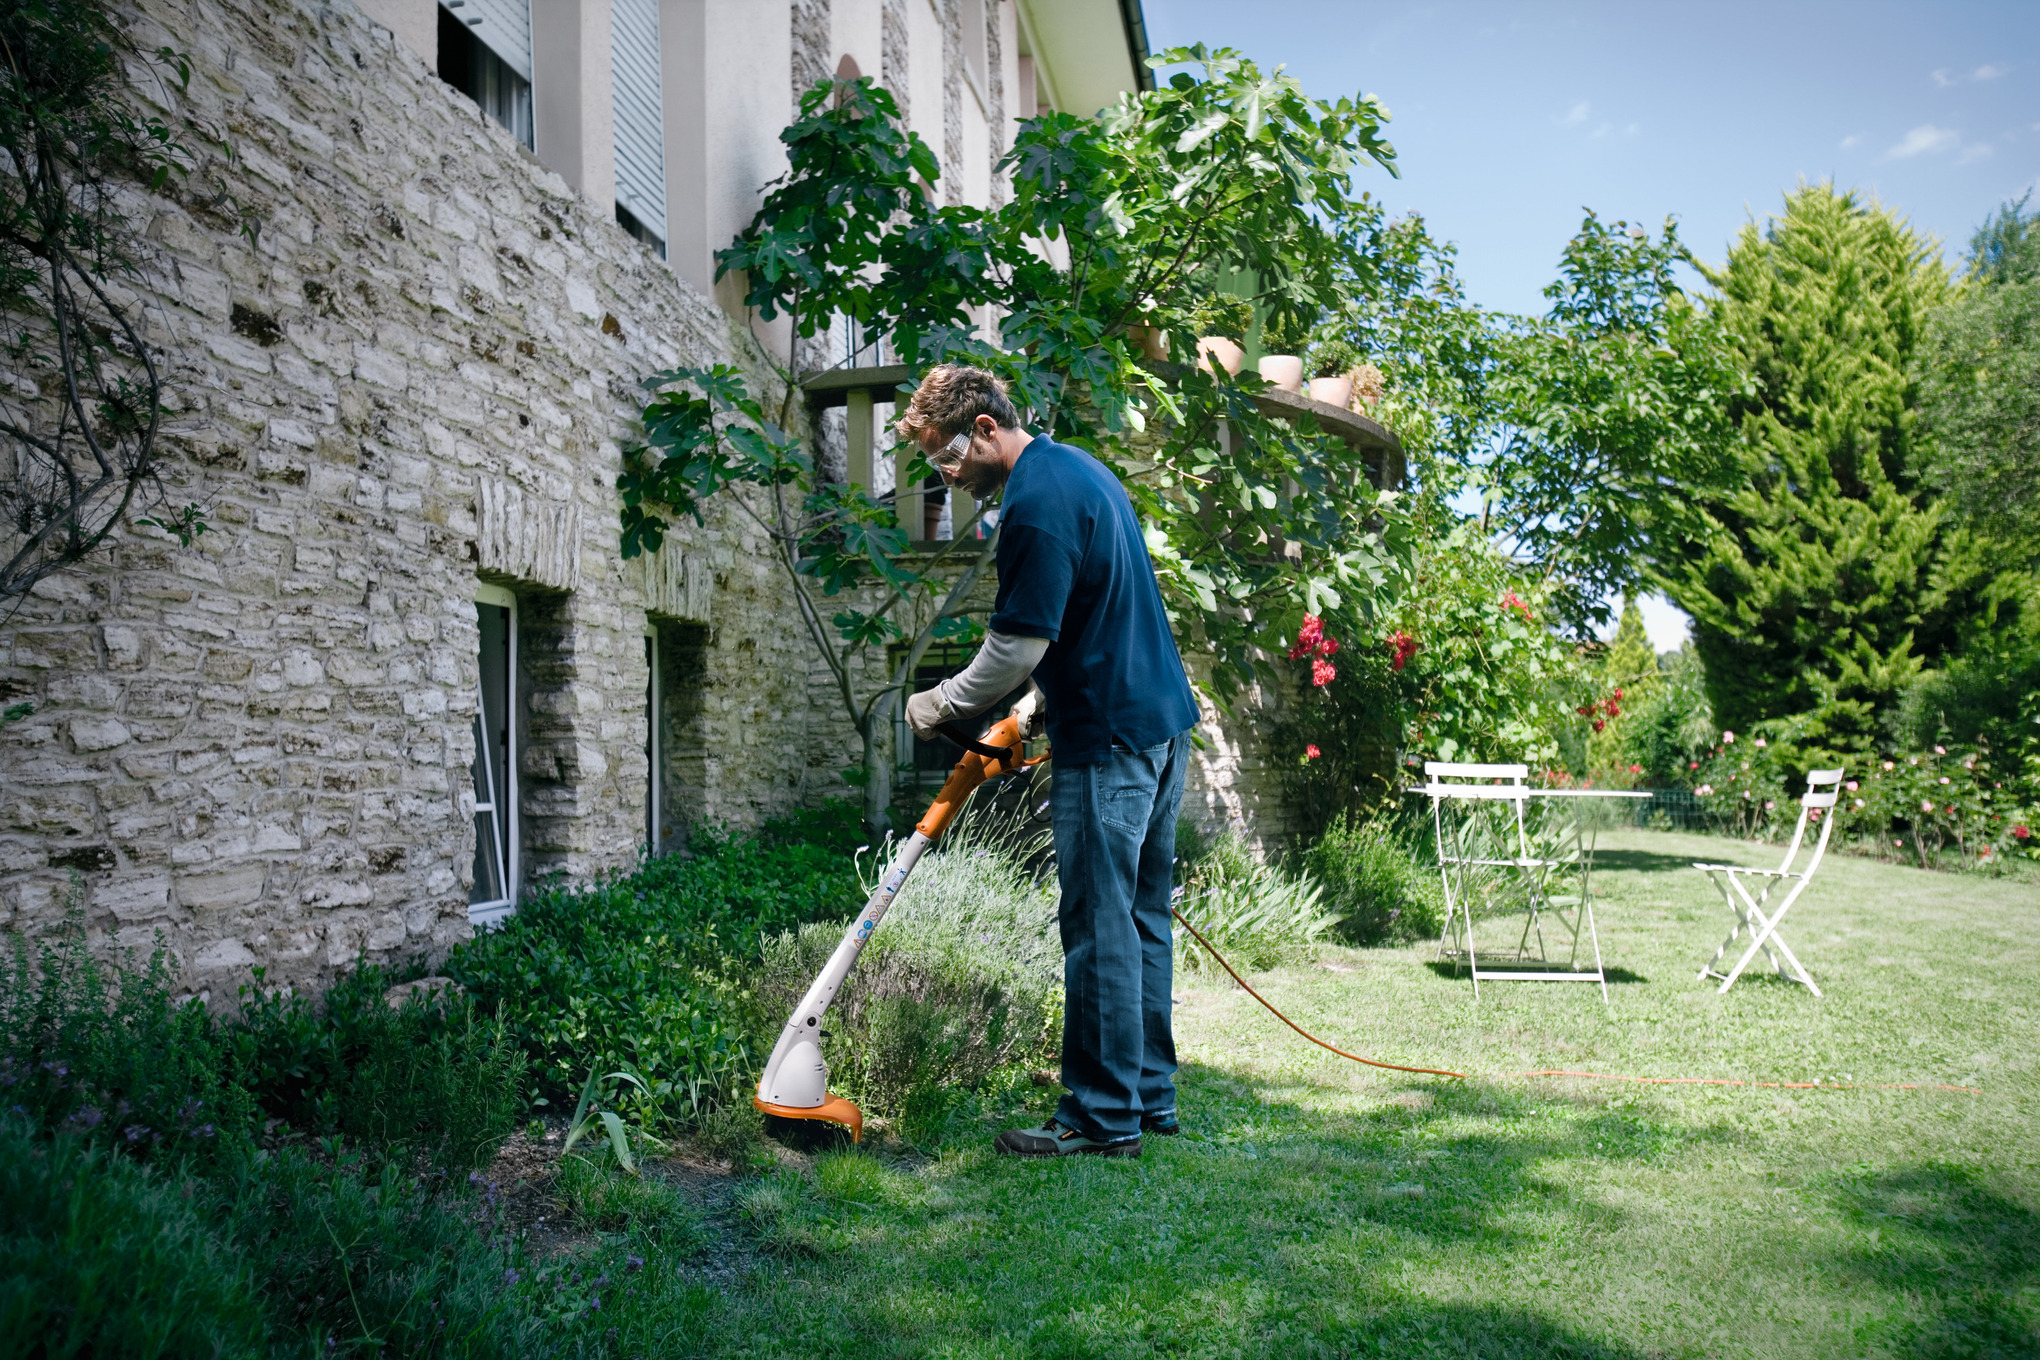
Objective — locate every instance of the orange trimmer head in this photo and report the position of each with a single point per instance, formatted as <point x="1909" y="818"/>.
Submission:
<point x="833" y="1108"/>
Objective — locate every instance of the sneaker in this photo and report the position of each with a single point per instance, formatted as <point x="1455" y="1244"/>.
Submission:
<point x="1163" y="1126"/>
<point x="1058" y="1140"/>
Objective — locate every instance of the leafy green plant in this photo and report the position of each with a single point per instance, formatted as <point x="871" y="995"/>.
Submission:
<point x="627" y="973"/>
<point x="1255" y="913"/>
<point x="1936" y="809"/>
<point x="109" y="1056"/>
<point x="1225" y="316"/>
<point x="1376" y="883"/>
<point x="1222" y="168"/>
<point x="1333" y="357"/>
<point x="1287" y="332"/>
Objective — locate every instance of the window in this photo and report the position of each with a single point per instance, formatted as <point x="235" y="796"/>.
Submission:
<point x="655" y="750"/>
<point x="494" y="894"/>
<point x="485" y="53"/>
<point x="640" y="117"/>
<point x="925" y="764"/>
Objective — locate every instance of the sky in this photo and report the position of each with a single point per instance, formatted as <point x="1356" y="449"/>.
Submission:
<point x="1510" y="119"/>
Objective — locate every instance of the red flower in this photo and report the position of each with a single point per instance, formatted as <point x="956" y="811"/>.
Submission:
<point x="1618" y="694"/>
<point x="2021" y="832"/>
<point x="1636" y="769"/>
<point x="1322" y="672"/>
<point x="1308" y="638"/>
<point x="1599" y="724"/>
<point x="1405" y="647"/>
<point x="1311" y="752"/>
<point x="1585" y="710"/>
<point x="1614" y="709"/>
<point x="1693" y="765"/>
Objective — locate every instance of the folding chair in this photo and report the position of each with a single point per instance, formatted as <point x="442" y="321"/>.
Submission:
<point x="1749" y="911"/>
<point x="1469" y="785"/>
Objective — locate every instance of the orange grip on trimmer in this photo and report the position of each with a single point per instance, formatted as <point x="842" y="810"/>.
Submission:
<point x="972" y="771"/>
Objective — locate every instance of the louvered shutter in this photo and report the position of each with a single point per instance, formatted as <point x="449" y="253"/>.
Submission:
<point x="640" y="115"/>
<point x="505" y="29"/>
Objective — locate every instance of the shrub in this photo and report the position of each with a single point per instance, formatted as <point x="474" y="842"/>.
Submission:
<point x="1376" y="883"/>
<point x="1334" y="357"/>
<point x="1936" y="809"/>
<point x="359" y="1258"/>
<point x="1287" y="333"/>
<point x="431" y="1077"/>
<point x="1254" y="913"/>
<point x="628" y="972"/>
<point x="963" y="978"/>
<point x="99" y="1257"/>
<point x="112" y="1057"/>
<point x="1224" y="314"/>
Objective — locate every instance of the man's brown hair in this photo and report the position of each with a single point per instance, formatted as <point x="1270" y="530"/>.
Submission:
<point x="951" y="398"/>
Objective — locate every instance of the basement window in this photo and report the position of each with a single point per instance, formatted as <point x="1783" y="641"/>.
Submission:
<point x="471" y="64"/>
<point x="496" y="867"/>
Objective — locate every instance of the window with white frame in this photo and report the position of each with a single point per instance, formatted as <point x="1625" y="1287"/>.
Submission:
<point x="494" y="894"/>
<point x="655" y="755"/>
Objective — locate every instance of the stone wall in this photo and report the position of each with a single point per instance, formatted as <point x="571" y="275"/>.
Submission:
<point x="403" y="358"/>
<point x="411" y="372"/>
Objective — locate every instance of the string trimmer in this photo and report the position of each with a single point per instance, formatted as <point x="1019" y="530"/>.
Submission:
<point x="796" y="1080"/>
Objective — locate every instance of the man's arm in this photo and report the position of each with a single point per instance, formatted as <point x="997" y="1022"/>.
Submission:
<point x="1001" y="666"/>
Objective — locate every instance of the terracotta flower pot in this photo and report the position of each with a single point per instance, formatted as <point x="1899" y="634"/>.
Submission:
<point x="1148" y="342"/>
<point x="1283" y="370"/>
<point x="1332" y="391"/>
<point x="1229" y="355"/>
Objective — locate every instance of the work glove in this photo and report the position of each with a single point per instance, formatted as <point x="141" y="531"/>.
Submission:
<point x="926" y="712"/>
<point x="1032" y="711"/>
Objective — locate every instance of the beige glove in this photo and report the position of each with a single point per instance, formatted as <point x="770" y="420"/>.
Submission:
<point x="1032" y="711"/>
<point x="927" y="711"/>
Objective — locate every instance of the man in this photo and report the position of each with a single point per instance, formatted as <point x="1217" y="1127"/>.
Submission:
<point x="1078" y="609"/>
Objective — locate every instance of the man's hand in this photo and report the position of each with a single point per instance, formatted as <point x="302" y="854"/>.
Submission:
<point x="1032" y="711"/>
<point x="926" y="712"/>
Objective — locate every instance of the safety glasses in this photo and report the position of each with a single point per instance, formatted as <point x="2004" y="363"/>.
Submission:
<point x="950" y="456"/>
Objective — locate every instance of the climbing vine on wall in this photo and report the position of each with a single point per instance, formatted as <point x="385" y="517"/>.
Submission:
<point x="82" y="405"/>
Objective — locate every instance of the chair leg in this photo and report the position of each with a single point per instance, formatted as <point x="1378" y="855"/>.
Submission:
<point x="1707" y="968"/>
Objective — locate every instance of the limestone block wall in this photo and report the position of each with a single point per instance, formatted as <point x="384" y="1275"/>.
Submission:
<point x="402" y="358"/>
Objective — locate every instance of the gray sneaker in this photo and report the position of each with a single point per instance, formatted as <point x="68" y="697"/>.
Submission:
<point x="1058" y="1140"/>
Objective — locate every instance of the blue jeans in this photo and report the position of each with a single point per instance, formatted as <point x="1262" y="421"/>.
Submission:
<point x="1115" y="850"/>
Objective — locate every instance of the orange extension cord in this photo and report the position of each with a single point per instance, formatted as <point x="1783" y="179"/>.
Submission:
<point x="1592" y="1076"/>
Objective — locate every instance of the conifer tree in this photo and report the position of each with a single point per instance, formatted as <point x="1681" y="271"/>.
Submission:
<point x="1831" y="573"/>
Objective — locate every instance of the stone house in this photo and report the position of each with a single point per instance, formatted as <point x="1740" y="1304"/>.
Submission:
<point x="407" y="671"/>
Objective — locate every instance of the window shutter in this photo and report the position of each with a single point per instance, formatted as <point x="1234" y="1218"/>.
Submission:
<point x="505" y="29"/>
<point x="640" y="114"/>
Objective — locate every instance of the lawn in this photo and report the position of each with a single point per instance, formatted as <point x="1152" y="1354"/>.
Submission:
<point x="1322" y="1208"/>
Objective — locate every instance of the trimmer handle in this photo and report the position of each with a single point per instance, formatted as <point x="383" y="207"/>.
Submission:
<point x="959" y="735"/>
<point x="1001" y="752"/>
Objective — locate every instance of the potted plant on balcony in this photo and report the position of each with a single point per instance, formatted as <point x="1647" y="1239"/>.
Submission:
<point x="1222" y="324"/>
<point x="1284" y="337"/>
<point x="1332" y="361"/>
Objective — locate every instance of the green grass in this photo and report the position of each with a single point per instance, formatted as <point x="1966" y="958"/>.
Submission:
<point x="1325" y="1209"/>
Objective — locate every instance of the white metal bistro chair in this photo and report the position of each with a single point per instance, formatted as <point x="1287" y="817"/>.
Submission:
<point x="1816" y="804"/>
<point x="1464" y="861"/>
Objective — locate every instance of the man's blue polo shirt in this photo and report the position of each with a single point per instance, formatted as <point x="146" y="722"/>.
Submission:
<point x="1073" y="568"/>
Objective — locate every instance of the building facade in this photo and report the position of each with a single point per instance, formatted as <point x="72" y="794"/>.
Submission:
<point x="407" y="674"/>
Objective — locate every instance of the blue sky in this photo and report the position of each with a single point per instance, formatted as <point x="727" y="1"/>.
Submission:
<point x="1511" y="118"/>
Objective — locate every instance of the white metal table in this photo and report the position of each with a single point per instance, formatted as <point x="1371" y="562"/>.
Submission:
<point x="1532" y="874"/>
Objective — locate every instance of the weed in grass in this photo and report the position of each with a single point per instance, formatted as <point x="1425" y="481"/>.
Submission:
<point x="786" y="1216"/>
<point x="604" y="1199"/>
